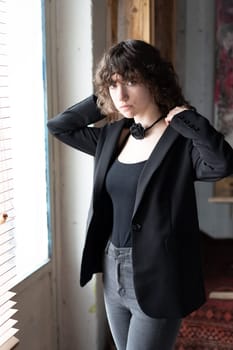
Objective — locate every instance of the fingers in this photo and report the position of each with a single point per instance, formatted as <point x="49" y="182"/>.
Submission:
<point x="3" y="217"/>
<point x="173" y="112"/>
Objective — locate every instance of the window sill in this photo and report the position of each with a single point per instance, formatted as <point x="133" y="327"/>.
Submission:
<point x="21" y="283"/>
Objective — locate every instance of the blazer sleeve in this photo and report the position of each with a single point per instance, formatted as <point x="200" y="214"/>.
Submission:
<point x="72" y="126"/>
<point x="212" y="156"/>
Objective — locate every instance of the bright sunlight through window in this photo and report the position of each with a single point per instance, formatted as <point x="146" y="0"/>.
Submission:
<point x="27" y="104"/>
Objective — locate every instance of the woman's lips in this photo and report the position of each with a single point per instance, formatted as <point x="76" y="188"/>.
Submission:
<point x="124" y="107"/>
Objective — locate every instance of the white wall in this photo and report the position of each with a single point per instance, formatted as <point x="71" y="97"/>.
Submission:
<point x="77" y="324"/>
<point x="195" y="64"/>
<point x="78" y="320"/>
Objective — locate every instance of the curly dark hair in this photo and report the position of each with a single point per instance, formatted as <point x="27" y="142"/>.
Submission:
<point x="136" y="60"/>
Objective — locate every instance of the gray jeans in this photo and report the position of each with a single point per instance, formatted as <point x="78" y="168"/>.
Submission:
<point x="131" y="328"/>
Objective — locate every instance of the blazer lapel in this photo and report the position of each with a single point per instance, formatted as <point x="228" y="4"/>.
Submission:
<point x="156" y="158"/>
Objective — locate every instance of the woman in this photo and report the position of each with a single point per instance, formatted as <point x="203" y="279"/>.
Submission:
<point x="143" y="228"/>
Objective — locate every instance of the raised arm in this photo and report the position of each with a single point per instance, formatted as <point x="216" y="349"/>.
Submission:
<point x="212" y="156"/>
<point x="72" y="126"/>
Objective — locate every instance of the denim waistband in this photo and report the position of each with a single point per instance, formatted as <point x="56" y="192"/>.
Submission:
<point x="118" y="253"/>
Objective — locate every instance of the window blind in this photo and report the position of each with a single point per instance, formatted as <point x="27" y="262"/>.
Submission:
<point x="7" y="221"/>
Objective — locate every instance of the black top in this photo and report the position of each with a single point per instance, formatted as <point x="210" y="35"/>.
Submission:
<point x="121" y="184"/>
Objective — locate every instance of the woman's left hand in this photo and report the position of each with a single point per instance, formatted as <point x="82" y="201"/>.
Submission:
<point x="173" y="112"/>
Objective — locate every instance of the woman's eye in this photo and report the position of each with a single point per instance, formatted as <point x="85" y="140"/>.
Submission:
<point x="131" y="83"/>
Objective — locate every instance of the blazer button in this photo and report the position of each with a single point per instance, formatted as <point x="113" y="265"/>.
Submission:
<point x="137" y="227"/>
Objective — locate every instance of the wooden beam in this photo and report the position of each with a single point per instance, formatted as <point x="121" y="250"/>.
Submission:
<point x="112" y="22"/>
<point x="165" y="27"/>
<point x="151" y="20"/>
<point x="129" y="19"/>
<point x="134" y="20"/>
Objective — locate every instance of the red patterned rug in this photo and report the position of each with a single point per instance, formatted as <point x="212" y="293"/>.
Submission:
<point x="211" y="327"/>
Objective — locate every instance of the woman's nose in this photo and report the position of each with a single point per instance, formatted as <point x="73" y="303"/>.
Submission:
<point x="122" y="93"/>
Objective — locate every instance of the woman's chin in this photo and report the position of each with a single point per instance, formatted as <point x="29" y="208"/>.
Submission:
<point x="128" y="115"/>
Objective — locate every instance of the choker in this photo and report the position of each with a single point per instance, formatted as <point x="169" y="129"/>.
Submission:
<point x="137" y="130"/>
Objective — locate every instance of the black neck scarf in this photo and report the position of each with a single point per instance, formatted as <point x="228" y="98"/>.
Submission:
<point x="138" y="131"/>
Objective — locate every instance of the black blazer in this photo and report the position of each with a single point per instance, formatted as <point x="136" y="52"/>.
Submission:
<point x="165" y="232"/>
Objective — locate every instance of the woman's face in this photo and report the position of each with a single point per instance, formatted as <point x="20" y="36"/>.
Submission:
<point x="130" y="98"/>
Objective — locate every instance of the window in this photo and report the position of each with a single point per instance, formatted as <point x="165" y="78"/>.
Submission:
<point x="27" y="108"/>
<point x="23" y="171"/>
<point x="7" y="230"/>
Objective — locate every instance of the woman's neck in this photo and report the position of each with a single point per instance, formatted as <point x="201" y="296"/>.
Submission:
<point x="150" y="116"/>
